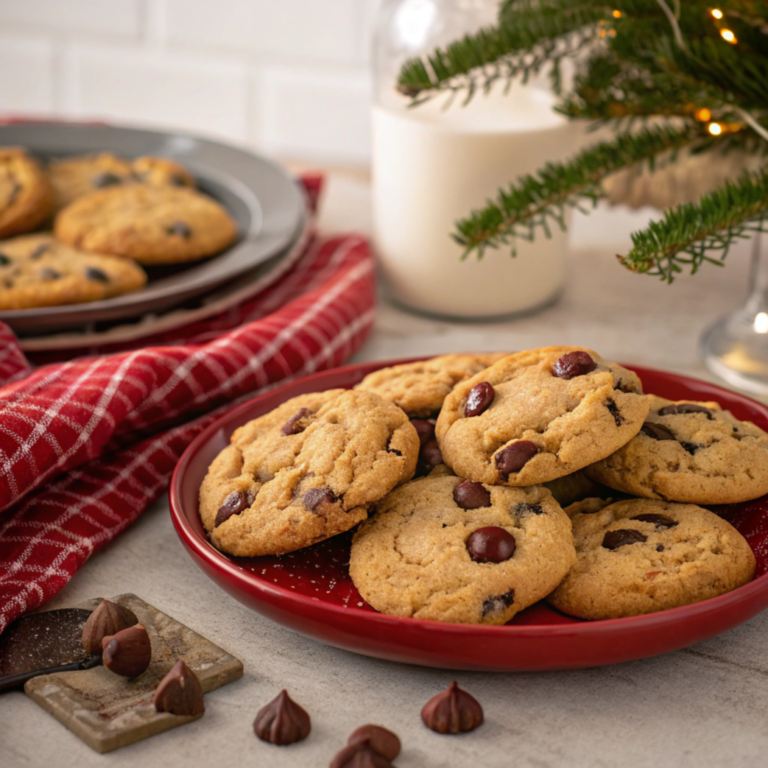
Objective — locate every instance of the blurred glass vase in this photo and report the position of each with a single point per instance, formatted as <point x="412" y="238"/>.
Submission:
<point x="435" y="162"/>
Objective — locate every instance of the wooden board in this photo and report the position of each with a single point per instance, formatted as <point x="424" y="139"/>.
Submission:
<point x="107" y="711"/>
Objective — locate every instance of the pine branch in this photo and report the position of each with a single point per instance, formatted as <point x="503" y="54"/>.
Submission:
<point x="538" y="200"/>
<point x="688" y="234"/>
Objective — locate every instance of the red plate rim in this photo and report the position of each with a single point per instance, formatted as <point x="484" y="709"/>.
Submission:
<point x="221" y="562"/>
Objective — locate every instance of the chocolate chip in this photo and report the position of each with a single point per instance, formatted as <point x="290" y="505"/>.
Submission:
<point x="180" y="692"/>
<point x="106" y="179"/>
<point x="15" y="190"/>
<point x="525" y="508"/>
<point x="424" y="429"/>
<point x="657" y="431"/>
<point x="614" y="409"/>
<point x="4" y="260"/>
<point x="692" y="448"/>
<point x="479" y="398"/>
<point x="659" y="547"/>
<point x="452" y="711"/>
<point x="317" y="497"/>
<point x="573" y="364"/>
<point x="48" y="273"/>
<point x="360" y="755"/>
<point x="380" y="740"/>
<point x="514" y="457"/>
<point x="498" y="603"/>
<point x="293" y="426"/>
<point x="282" y="721"/>
<point x="390" y="449"/>
<point x="178" y="181"/>
<point x="676" y="408"/>
<point x="179" y="228"/>
<point x="234" y="504"/>
<point x="491" y="545"/>
<point x="471" y="495"/>
<point x="38" y="252"/>
<point x="620" y="538"/>
<point x="430" y="456"/>
<point x="94" y="273"/>
<point x="660" y="521"/>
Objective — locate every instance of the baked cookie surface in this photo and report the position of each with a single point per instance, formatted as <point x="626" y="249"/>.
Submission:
<point x="420" y="388"/>
<point x="74" y="177"/>
<point x="154" y="225"/>
<point x="39" y="271"/>
<point x="419" y="555"/>
<point x="691" y="452"/>
<point x="306" y="471"/>
<point x="25" y="194"/>
<point x="640" y="555"/>
<point x="538" y="415"/>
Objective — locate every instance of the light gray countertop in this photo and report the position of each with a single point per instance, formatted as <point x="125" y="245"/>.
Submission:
<point x="701" y="706"/>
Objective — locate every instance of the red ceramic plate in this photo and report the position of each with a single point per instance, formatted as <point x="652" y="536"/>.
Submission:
<point x="310" y="591"/>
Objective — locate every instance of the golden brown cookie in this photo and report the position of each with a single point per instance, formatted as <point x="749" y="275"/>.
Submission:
<point x="39" y="271"/>
<point x="446" y="549"/>
<point x="639" y="556"/>
<point x="25" y="194"/>
<point x="538" y="415"/>
<point x="690" y="452"/>
<point x="154" y="225"/>
<point x="306" y="471"/>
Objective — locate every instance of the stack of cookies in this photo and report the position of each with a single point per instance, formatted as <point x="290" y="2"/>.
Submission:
<point x="109" y="217"/>
<point x="545" y="474"/>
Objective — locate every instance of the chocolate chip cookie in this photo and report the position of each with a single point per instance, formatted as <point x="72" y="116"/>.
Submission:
<point x="39" y="271"/>
<point x="154" y="225"/>
<point x="446" y="549"/>
<point x="420" y="388"/>
<point x="306" y="471"/>
<point x="25" y="195"/>
<point x="538" y="415"/>
<point x="639" y="556"/>
<point x="74" y="177"/>
<point x="690" y="452"/>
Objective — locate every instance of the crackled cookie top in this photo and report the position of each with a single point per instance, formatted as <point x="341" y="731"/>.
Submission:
<point x="538" y="415"/>
<point x="690" y="452"/>
<point x="39" y="271"/>
<point x="306" y="471"/>
<point x="420" y="388"/>
<point x="25" y="195"/>
<point x="154" y="225"/>
<point x="446" y="549"/>
<point x="639" y="556"/>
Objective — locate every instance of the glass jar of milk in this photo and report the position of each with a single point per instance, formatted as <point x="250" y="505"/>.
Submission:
<point x="435" y="163"/>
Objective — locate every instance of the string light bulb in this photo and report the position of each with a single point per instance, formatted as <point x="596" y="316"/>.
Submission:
<point x="616" y="14"/>
<point x="716" y="13"/>
<point x="728" y="36"/>
<point x="703" y="115"/>
<point x="715" y="129"/>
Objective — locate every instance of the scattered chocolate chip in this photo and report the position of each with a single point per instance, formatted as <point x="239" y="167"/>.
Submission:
<point x="390" y="449"/>
<point x="573" y="364"/>
<point x="360" y="756"/>
<point x="676" y="408"/>
<point x="620" y="538"/>
<point x="430" y="457"/>
<point x="471" y="495"/>
<point x="498" y="603"/>
<point x="282" y="721"/>
<point x="94" y="273"/>
<point x="692" y="448"/>
<point x="234" y="504"/>
<point x="106" y="179"/>
<point x="179" y="692"/>
<point x="128" y="652"/>
<point x="659" y="547"/>
<point x="380" y="739"/>
<point x="424" y="429"/>
<point x="178" y="180"/>
<point x="297" y="422"/>
<point x="4" y="260"/>
<point x="525" y="508"/>
<point x="614" y="409"/>
<point x="660" y="521"/>
<point x="108" y="619"/>
<point x="317" y="497"/>
<point x="491" y="544"/>
<point x="38" y="252"/>
<point x="179" y="228"/>
<point x="514" y="457"/>
<point x="657" y="431"/>
<point x="48" y="273"/>
<point x="452" y="711"/>
<point x="479" y="398"/>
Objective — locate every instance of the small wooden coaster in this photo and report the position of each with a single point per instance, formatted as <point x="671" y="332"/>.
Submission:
<point x="107" y="711"/>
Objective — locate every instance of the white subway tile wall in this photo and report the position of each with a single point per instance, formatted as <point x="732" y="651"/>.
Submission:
<point x="287" y="77"/>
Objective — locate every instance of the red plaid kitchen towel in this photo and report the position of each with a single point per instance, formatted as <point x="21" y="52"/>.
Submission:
<point x="87" y="445"/>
